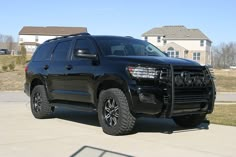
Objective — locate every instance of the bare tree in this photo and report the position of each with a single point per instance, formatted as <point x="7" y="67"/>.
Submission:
<point x="224" y="55"/>
<point x="10" y="42"/>
<point x="7" y="42"/>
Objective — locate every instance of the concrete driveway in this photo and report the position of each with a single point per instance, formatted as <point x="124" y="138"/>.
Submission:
<point x="78" y="134"/>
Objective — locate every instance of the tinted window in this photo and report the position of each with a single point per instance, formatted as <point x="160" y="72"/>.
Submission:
<point x="61" y="51"/>
<point x="85" y="44"/>
<point x="127" y="47"/>
<point x="43" y="52"/>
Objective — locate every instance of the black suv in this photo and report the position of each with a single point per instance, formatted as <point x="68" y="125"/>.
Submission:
<point x="121" y="78"/>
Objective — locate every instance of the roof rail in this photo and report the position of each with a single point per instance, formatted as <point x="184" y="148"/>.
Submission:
<point x="128" y="36"/>
<point x="68" y="36"/>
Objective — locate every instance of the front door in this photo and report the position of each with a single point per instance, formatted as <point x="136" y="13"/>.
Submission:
<point x="80" y="76"/>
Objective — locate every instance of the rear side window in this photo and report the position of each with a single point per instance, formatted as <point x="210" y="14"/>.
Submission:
<point x="61" y="50"/>
<point x="43" y="52"/>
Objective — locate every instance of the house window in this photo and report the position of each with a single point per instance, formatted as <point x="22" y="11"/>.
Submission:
<point x="36" y="38"/>
<point x="164" y="41"/>
<point x="201" y="42"/>
<point x="158" y="39"/>
<point x="176" y="54"/>
<point x="172" y="53"/>
<point x="186" y="54"/>
<point x="145" y="38"/>
<point x="208" y="43"/>
<point x="196" y="56"/>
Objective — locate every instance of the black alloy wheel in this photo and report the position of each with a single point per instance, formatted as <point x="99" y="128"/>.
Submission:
<point x="37" y="101"/>
<point x="111" y="112"/>
<point x="40" y="106"/>
<point x="114" y="114"/>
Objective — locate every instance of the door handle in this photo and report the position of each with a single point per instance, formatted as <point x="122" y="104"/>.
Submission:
<point x="68" y="67"/>
<point x="45" y="67"/>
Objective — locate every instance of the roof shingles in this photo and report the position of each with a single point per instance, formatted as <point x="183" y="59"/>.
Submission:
<point x="176" y="32"/>
<point x="51" y="30"/>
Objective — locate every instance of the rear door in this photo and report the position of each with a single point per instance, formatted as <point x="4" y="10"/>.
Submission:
<point x="38" y="67"/>
<point x="56" y="70"/>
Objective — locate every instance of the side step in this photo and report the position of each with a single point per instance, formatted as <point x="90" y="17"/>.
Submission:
<point x="80" y="107"/>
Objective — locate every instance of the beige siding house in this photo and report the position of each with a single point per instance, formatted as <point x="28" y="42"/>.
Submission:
<point x="181" y="42"/>
<point x="31" y="37"/>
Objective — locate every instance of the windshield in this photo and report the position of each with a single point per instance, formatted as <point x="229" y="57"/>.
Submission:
<point x="127" y="47"/>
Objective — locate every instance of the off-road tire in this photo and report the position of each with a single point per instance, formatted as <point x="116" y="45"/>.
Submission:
<point x="46" y="109"/>
<point x="189" y="121"/>
<point x="126" y="120"/>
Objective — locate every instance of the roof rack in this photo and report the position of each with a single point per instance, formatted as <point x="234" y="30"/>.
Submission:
<point x="68" y="36"/>
<point x="128" y="36"/>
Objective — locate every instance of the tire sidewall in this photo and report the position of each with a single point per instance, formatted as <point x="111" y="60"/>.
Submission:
<point x="35" y="90"/>
<point x="102" y="99"/>
<point x="45" y="111"/>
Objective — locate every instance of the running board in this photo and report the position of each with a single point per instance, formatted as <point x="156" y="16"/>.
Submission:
<point x="80" y="107"/>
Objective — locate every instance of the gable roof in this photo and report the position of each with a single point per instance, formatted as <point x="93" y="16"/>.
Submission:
<point x="173" y="44"/>
<point x="176" y="32"/>
<point x="51" y="30"/>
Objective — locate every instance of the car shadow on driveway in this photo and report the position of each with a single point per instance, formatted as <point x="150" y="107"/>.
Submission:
<point x="144" y="124"/>
<point x="166" y="126"/>
<point x="88" y="118"/>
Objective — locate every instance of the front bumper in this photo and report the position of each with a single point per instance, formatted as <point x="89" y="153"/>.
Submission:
<point x="169" y="100"/>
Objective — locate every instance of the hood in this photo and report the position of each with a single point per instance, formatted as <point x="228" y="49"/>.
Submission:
<point x="154" y="60"/>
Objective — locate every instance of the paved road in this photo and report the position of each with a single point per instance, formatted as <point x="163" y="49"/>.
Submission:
<point x="226" y="97"/>
<point x="13" y="96"/>
<point x="78" y="134"/>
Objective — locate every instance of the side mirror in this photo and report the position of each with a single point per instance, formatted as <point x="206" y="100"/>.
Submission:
<point x="84" y="53"/>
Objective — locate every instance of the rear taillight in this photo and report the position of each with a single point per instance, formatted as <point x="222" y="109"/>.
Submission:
<point x="26" y="68"/>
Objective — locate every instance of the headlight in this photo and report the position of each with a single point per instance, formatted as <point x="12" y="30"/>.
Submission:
<point x="143" y="72"/>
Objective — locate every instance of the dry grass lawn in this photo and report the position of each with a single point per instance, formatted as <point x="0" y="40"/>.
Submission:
<point x="224" y="115"/>
<point x="225" y="80"/>
<point x="11" y="80"/>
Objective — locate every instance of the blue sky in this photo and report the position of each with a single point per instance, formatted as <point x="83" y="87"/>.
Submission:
<point x="215" y="18"/>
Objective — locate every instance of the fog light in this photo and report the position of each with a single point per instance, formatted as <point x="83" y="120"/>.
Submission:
<point x="147" y="98"/>
<point x="198" y="81"/>
<point x="179" y="80"/>
<point x="188" y="80"/>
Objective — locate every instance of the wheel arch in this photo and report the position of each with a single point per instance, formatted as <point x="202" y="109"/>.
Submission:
<point x="36" y="81"/>
<point x="113" y="82"/>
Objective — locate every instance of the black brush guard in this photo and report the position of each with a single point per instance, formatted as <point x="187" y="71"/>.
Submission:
<point x="187" y="100"/>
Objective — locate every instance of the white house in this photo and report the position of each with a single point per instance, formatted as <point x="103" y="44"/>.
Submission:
<point x="181" y="42"/>
<point x="31" y="37"/>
